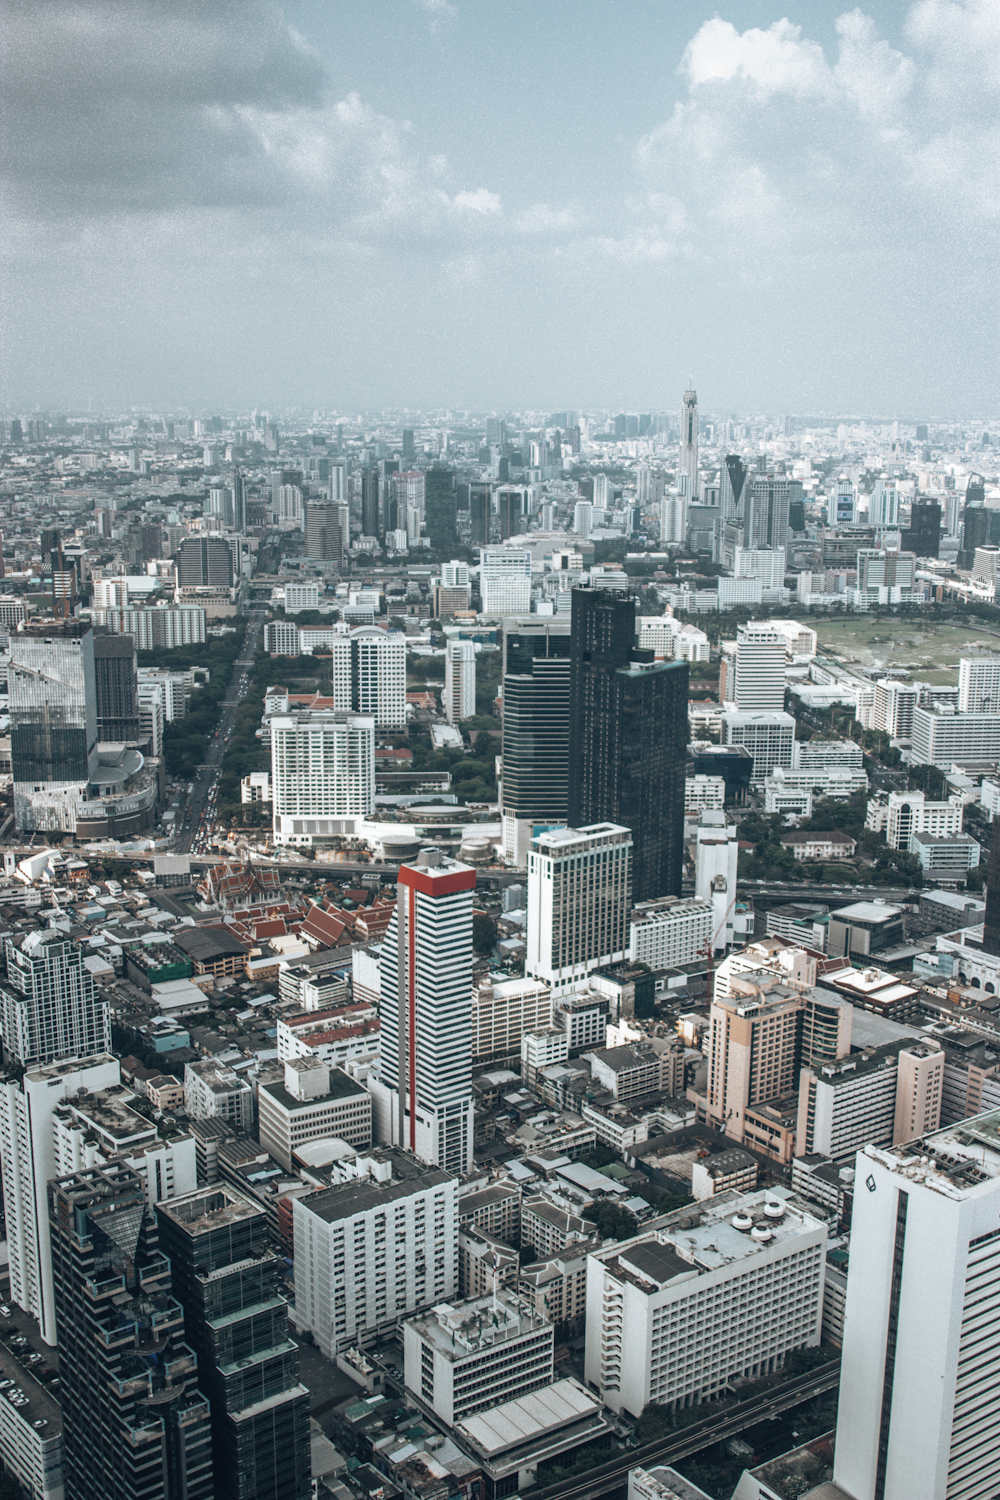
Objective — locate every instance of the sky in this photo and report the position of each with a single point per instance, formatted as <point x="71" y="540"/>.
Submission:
<point x="501" y="204"/>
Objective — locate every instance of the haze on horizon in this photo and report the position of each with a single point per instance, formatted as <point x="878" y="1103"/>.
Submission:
<point x="439" y="204"/>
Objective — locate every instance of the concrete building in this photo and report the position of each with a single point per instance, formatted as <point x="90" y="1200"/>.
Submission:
<point x="504" y="1011"/>
<point x="31" y="1429"/>
<point x="908" y="813"/>
<point x="979" y="684"/>
<point x="769" y="737"/>
<point x="467" y="1356"/>
<point x="52" y="690"/>
<point x="864" y="928"/>
<point x="945" y="860"/>
<point x="213" y="1091"/>
<point x="549" y="1228"/>
<point x="322" y="772"/>
<point x="674" y="1316"/>
<point x="760" y="669"/>
<point x="918" y="1407"/>
<point x="630" y="1073"/>
<point x="422" y="1094"/>
<point x="374" y="1248"/>
<point x="459" y="681"/>
<point x="48" y="1006"/>
<point x="314" y="1102"/>
<point x="540" y="1049"/>
<point x="704" y="793"/>
<point x="669" y="932"/>
<point x="884" y="1095"/>
<point x="716" y="852"/>
<point x="493" y="1210"/>
<point x="941" y="737"/>
<point x="579" y="898"/>
<point x="505" y="581"/>
<point x="584" y="1017"/>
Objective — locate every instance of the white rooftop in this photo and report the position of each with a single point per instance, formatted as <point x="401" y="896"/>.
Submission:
<point x="516" y="1422"/>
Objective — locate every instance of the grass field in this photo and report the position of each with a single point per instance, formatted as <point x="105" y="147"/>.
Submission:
<point x="932" y="655"/>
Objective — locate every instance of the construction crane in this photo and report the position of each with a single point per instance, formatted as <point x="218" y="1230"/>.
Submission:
<point x="709" y="950"/>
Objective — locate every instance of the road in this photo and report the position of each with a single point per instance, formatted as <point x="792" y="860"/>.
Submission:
<point x="605" y="1478"/>
<point x="200" y="810"/>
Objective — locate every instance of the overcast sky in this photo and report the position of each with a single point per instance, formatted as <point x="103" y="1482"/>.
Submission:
<point x="502" y="203"/>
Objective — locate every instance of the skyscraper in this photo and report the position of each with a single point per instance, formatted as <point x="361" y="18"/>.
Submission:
<point x="327" y="531"/>
<point x="510" y="508"/>
<point x="439" y="507"/>
<point x="48" y="1005"/>
<point x="628" y="739"/>
<point x="229" y="1282"/>
<point x="117" y="684"/>
<point x="423" y="1097"/>
<point x="919" y="1406"/>
<point x="407" y="448"/>
<point x="53" y="734"/>
<point x="535" y="741"/>
<point x="579" y="899"/>
<point x="991" y="919"/>
<point x="481" y="513"/>
<point x="923" y="535"/>
<point x="135" y="1425"/>
<point x="761" y="657"/>
<point x="322" y="771"/>
<point x="239" y="501"/>
<point x="205" y="561"/>
<point x="687" y="462"/>
<point x="372" y="523"/>
<point x="459" y="681"/>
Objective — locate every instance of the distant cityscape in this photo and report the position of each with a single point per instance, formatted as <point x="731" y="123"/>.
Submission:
<point x="500" y="925"/>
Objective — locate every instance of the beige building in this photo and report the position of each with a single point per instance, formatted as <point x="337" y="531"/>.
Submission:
<point x="314" y="1101"/>
<point x="557" y="1288"/>
<point x="505" y="1010"/>
<point x="550" y="1230"/>
<point x="494" y="1210"/>
<point x="484" y="1262"/>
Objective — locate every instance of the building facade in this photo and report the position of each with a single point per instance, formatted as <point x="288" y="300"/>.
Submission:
<point x="579" y="899"/>
<point x="322" y="772"/>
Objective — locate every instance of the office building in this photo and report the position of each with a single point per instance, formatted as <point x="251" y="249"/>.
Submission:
<point x="368" y="667"/>
<point x="945" y="859"/>
<point x="760" y="669"/>
<point x="941" y="737"/>
<point x="163" y="627"/>
<point x="923" y="535"/>
<point x="885" y="576"/>
<point x="991" y="916"/>
<point x="328" y="533"/>
<point x="52" y="690"/>
<point x="459" y="681"/>
<point x="535" y="736"/>
<point x="28" y="1103"/>
<point x="213" y="1091"/>
<point x="918" y="1406"/>
<point x="883" y="506"/>
<point x="480" y="514"/>
<point x="322" y="771"/>
<point x="230" y="1283"/>
<point x="511" y="503"/>
<point x="628" y="739"/>
<point x="913" y="812"/>
<point x="31" y="1439"/>
<point x="841" y="504"/>
<point x="883" y="1096"/>
<point x="116" y="685"/>
<point x="313" y="1101"/>
<point x="979" y="685"/>
<point x="48" y="1006"/>
<point x="504" y="1011"/>
<point x="669" y="931"/>
<point x="687" y="461"/>
<point x="374" y="1248"/>
<point x="579" y="899"/>
<point x="769" y="738"/>
<point x="439" y="506"/>
<point x="468" y="1356"/>
<point x="204" y="561"/>
<point x="718" y="1294"/>
<point x="135" y="1424"/>
<point x="372" y="517"/>
<point x="864" y="928"/>
<point x="505" y="581"/>
<point x="716" y="852"/>
<point x="422" y="1097"/>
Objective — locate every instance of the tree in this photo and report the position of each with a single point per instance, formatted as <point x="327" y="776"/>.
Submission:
<point x="613" y="1222"/>
<point x="484" y="932"/>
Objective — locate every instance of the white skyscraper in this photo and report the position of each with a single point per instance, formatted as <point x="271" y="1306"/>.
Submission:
<point x="688" y="460"/>
<point x="322" y="771"/>
<point x="979" y="685"/>
<point x="919" y="1409"/>
<point x="48" y="1008"/>
<point x="422" y="1098"/>
<point x="583" y="518"/>
<point x="672" y="518"/>
<point x="883" y="506"/>
<point x="579" y="898"/>
<point x="459" y="681"/>
<point x="761" y="655"/>
<point x="716" y="854"/>
<point x="505" y="581"/>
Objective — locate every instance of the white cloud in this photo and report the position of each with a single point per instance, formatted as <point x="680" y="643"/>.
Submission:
<point x="439" y="12"/>
<point x="481" y="202"/>
<point x="772" y="61"/>
<point x="541" y="218"/>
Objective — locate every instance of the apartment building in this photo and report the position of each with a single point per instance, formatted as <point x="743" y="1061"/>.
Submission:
<point x="504" y="1011"/>
<point x="769" y="737"/>
<point x="475" y="1354"/>
<point x="579" y="897"/>
<point x="373" y="1249"/>
<point x="549" y="1229"/>
<point x="719" y="1294"/>
<point x="484" y="1263"/>
<point x="493" y="1210"/>
<point x="633" y="1072"/>
<point x="556" y="1288"/>
<point x="670" y="931"/>
<point x="212" y="1091"/>
<point x="884" y="1095"/>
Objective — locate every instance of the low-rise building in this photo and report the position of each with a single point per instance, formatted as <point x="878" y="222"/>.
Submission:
<point x="549" y="1229"/>
<point x="863" y="928"/>
<point x="313" y="1101"/>
<point x="833" y="845"/>
<point x="731" y="1171"/>
<point x="633" y="1072"/>
<point x="468" y="1356"/>
<point x="494" y="1210"/>
<point x="557" y="1287"/>
<point x="212" y="1091"/>
<point x="484" y="1264"/>
<point x="540" y="1049"/>
<point x="945" y="859"/>
<point x="670" y="931"/>
<point x="585" y="1018"/>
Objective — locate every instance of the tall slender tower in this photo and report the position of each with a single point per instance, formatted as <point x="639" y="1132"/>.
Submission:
<point x="688" y="462"/>
<point x="423" y="1097"/>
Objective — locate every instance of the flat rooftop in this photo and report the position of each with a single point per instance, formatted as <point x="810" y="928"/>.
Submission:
<point x="345" y="1199"/>
<point x="341" y="1087"/>
<point x="514" y="1423"/>
<point x="954" y="1161"/>
<point x="211" y="1207"/>
<point x="457" y="1330"/>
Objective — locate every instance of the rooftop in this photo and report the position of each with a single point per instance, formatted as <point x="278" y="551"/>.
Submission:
<point x="408" y="1176"/>
<point x="513" y="1423"/>
<point x="340" y="1087"/>
<point x="954" y="1161"/>
<point x="459" y="1329"/>
<point x="210" y="1207"/>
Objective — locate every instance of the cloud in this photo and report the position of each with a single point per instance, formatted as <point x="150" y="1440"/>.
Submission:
<point x="540" y="218"/>
<point x="481" y="202"/>
<point x="772" y="61"/>
<point x="439" y="12"/>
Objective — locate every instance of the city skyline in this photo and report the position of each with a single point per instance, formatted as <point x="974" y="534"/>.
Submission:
<point x="304" y="208"/>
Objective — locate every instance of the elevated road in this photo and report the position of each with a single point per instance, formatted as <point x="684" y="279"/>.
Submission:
<point x="606" y="1478"/>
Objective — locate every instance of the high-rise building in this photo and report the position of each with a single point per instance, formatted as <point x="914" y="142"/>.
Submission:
<point x="161" y="628"/>
<point x="422" y="1098"/>
<point x="505" y="581"/>
<point x="716" y="853"/>
<point x="377" y="1246"/>
<point x="229" y="1281"/>
<point x="48" y="1005"/>
<point x="511" y="503"/>
<point x="477" y="1353"/>
<point x="116" y="686"/>
<point x="979" y="684"/>
<point x="687" y="462"/>
<point x="135" y="1424"/>
<point x="372" y="523"/>
<point x="535" y="736"/>
<point x="322" y="771"/>
<point x="481" y="514"/>
<point x="239" y="501"/>
<point x="923" y="535"/>
<point x="327" y="531"/>
<point x="53" y="733"/>
<point x="919" y="1408"/>
<point x="628" y="739"/>
<point x="761" y="657"/>
<point x="439" y="506"/>
<point x="672" y="1320"/>
<point x="579" y="899"/>
<point x="28" y="1104"/>
<point x="407" y="448"/>
<point x="991" y="918"/>
<point x="459" y="681"/>
<point x="769" y="737"/>
<point x="204" y="561"/>
<point x="975" y="521"/>
<point x="883" y="506"/>
<point x="894" y="707"/>
<point x="841" y="504"/>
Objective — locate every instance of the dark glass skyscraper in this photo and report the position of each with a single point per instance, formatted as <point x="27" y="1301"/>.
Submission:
<point x="439" y="507"/>
<point x="481" y="506"/>
<point x="135" y="1424"/>
<point x="923" y="535"/>
<point x="991" y="921"/>
<point x="371" y="509"/>
<point x="628" y="739"/>
<point x="117" y="687"/>
<point x="536" y="721"/>
<point x="227" y="1276"/>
